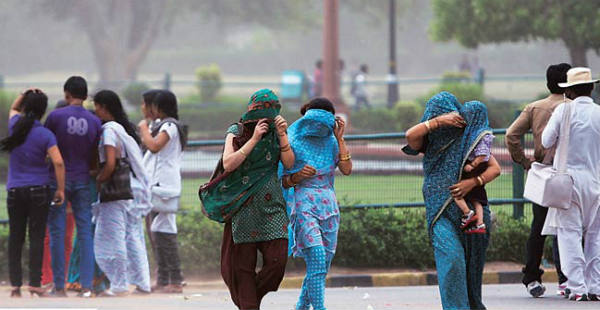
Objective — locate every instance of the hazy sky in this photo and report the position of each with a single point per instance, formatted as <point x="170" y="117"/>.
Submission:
<point x="34" y="43"/>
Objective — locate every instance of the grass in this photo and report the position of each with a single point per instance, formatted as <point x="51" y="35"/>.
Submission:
<point x="367" y="189"/>
<point x="355" y="189"/>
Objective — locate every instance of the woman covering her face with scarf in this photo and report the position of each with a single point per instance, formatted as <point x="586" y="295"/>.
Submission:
<point x="446" y="136"/>
<point x="248" y="198"/>
<point x="319" y="147"/>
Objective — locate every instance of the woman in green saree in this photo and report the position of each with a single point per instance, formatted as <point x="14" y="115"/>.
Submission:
<point x="256" y="218"/>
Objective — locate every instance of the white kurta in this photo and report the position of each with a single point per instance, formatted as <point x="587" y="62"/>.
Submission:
<point x="582" y="220"/>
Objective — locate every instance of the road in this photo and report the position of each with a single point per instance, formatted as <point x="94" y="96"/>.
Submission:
<point x="504" y="296"/>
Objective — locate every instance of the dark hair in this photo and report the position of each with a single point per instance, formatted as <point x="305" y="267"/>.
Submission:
<point x="581" y="90"/>
<point x="109" y="100"/>
<point x="166" y="102"/>
<point x="77" y="87"/>
<point x="319" y="64"/>
<point x="34" y="106"/>
<point x="318" y="103"/>
<point x="557" y="74"/>
<point x="364" y="68"/>
<point x="150" y="95"/>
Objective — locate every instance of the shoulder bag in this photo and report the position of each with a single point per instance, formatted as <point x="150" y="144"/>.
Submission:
<point x="547" y="186"/>
<point x="118" y="187"/>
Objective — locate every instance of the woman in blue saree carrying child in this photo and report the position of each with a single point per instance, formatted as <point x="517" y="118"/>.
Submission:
<point x="448" y="134"/>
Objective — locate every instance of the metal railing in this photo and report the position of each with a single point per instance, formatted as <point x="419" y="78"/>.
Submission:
<point x="383" y="176"/>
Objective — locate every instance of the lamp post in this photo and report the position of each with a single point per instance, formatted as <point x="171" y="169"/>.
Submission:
<point x="392" y="79"/>
<point x="331" y="61"/>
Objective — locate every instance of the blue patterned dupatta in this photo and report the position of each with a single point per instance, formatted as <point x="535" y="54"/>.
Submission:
<point x="312" y="140"/>
<point x="459" y="258"/>
<point x="447" y="151"/>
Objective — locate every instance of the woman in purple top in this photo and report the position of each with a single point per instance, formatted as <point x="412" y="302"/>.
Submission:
<point x="29" y="196"/>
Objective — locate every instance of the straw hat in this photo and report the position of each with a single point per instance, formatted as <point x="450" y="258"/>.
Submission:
<point x="578" y="76"/>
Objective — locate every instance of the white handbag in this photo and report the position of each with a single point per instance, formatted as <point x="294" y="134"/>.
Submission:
<point x="547" y="186"/>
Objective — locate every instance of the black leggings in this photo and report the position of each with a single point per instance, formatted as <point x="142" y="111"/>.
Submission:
<point x="27" y="206"/>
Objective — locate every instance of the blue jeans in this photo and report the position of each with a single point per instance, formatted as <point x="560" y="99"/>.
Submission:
<point x="79" y="194"/>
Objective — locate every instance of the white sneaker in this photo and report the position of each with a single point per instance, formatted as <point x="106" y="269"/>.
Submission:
<point x="536" y="289"/>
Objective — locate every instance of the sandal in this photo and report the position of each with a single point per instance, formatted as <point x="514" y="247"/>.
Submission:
<point x="479" y="229"/>
<point x="468" y="219"/>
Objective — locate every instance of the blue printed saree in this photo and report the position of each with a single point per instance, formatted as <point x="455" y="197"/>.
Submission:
<point x="459" y="258"/>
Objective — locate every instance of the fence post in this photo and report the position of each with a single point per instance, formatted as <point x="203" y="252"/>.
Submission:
<point x="518" y="174"/>
<point x="167" y="81"/>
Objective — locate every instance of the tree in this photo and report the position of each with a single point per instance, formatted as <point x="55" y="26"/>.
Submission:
<point x="473" y="22"/>
<point x="121" y="32"/>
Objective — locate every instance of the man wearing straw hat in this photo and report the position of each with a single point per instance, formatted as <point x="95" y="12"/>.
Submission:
<point x="581" y="222"/>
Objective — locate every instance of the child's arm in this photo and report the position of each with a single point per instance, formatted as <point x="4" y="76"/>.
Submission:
<point x="476" y="162"/>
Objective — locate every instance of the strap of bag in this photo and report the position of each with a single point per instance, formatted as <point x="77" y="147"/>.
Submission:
<point x="564" y="138"/>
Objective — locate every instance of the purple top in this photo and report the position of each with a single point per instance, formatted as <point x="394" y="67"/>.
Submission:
<point x="78" y="132"/>
<point x="483" y="148"/>
<point x="27" y="165"/>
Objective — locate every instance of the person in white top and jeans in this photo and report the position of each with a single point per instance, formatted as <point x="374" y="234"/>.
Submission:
<point x="163" y="162"/>
<point x="581" y="222"/>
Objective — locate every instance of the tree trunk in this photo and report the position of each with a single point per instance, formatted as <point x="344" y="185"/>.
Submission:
<point x="121" y="34"/>
<point x="578" y="56"/>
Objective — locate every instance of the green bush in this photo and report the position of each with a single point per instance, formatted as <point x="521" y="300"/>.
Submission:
<point x="374" y="120"/>
<point x="6" y="99"/>
<point x="4" y="250"/>
<point x="509" y="238"/>
<point x="208" y="81"/>
<point x="199" y="243"/>
<point x="408" y="114"/>
<point x="133" y="93"/>
<point x="383" y="238"/>
<point x="463" y="91"/>
<point x="456" y="77"/>
<point x="211" y="121"/>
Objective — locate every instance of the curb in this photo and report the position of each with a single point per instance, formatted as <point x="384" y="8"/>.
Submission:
<point x="411" y="279"/>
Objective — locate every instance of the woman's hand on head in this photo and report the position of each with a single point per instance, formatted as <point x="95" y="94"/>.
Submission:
<point x="281" y="125"/>
<point x="451" y="120"/>
<point x="261" y="128"/>
<point x="306" y="172"/>
<point x="340" y="127"/>
<point x="462" y="188"/>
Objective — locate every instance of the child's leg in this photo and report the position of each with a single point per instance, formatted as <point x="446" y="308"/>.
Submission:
<point x="462" y="205"/>
<point x="478" y="212"/>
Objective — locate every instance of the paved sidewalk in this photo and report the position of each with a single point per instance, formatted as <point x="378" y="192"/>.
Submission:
<point x="501" y="297"/>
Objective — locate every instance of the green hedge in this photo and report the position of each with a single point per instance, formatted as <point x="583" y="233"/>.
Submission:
<point x="383" y="238"/>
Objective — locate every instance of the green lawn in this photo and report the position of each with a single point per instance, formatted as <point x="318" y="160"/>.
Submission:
<point x="355" y="189"/>
<point x="367" y="189"/>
